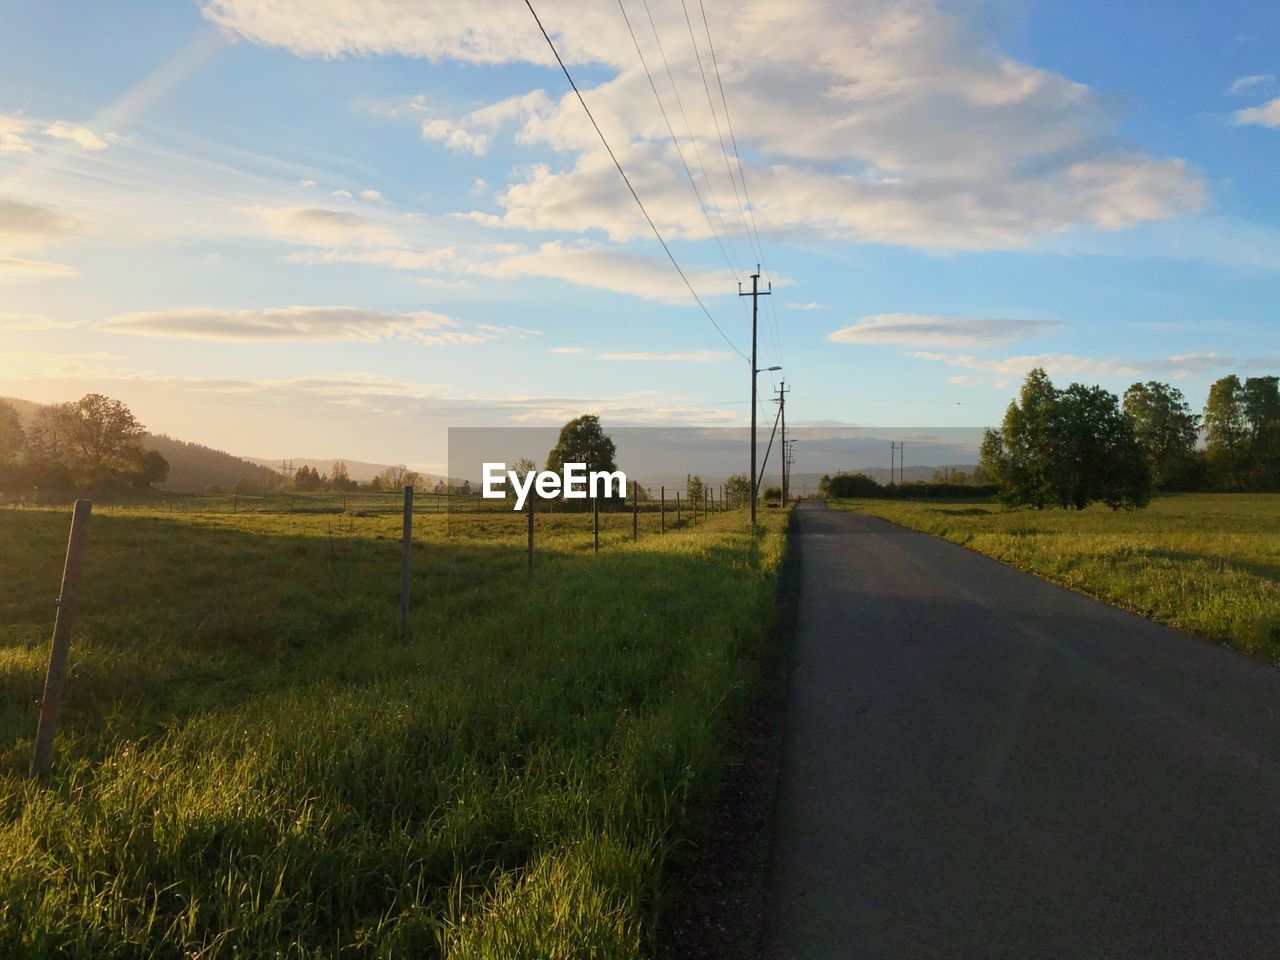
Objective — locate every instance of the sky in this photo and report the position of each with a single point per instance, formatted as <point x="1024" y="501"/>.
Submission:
<point x="335" y="228"/>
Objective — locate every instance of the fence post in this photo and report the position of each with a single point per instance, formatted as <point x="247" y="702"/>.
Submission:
<point x="235" y="502"/>
<point x="531" y="536"/>
<point x="663" y="525"/>
<point x="595" y="520"/>
<point x="406" y="551"/>
<point x="635" y="511"/>
<point x="63" y="624"/>
<point x="677" y="508"/>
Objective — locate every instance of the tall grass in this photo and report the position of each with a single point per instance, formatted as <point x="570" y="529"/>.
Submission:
<point x="252" y="765"/>
<point x="1208" y="563"/>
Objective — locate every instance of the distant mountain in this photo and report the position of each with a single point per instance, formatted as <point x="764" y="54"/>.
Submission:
<point x="193" y="467"/>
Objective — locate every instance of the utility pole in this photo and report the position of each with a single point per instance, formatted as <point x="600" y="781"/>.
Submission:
<point x="755" y="296"/>
<point x="894" y="459"/>
<point x="781" y="400"/>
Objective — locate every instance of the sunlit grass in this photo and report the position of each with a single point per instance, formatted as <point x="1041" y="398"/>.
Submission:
<point x="253" y="765"/>
<point x="1208" y="563"/>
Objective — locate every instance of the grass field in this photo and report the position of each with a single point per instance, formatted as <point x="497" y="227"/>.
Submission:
<point x="251" y="763"/>
<point x="1208" y="563"/>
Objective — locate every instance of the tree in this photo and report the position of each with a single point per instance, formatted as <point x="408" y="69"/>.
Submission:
<point x="1071" y="447"/>
<point x="1166" y="429"/>
<point x="844" y="485"/>
<point x="13" y="439"/>
<point x="737" y="490"/>
<point x="583" y="440"/>
<point x="695" y="489"/>
<point x="773" y="493"/>
<point x="152" y="468"/>
<point x="1242" y="433"/>
<point x="340" y="476"/>
<point x="97" y="438"/>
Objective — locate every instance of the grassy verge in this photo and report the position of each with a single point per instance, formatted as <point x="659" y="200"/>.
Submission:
<point x="1208" y="563"/>
<point x="252" y="765"/>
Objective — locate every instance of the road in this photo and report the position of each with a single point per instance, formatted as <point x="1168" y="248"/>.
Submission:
<point x="981" y="764"/>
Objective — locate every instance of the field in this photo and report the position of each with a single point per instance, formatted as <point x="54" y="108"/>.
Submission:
<point x="252" y="764"/>
<point x="1208" y="563"/>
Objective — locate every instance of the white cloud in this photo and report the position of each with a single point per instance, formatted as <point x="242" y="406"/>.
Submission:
<point x="455" y="137"/>
<point x="306" y="183"/>
<point x="371" y="194"/>
<point x="891" y="121"/>
<point x="1248" y="83"/>
<point x="396" y="258"/>
<point x="320" y="227"/>
<point x="1267" y="115"/>
<point x="1065" y="364"/>
<point x="696" y="356"/>
<point x="569" y="350"/>
<point x="915" y="329"/>
<point x="341" y="194"/>
<point x="11" y="135"/>
<point x="17" y="267"/>
<point x="811" y="305"/>
<point x="607" y="269"/>
<point x="82" y="137"/>
<point x="342" y="324"/>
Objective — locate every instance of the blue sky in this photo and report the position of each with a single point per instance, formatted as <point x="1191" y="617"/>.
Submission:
<point x="303" y="229"/>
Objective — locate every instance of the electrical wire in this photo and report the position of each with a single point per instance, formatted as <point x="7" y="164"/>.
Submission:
<point x="627" y="180"/>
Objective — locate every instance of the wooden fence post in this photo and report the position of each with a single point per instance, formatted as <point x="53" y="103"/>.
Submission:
<point x="635" y="511"/>
<point x="406" y="551"/>
<point x="677" y="508"/>
<point x="663" y="526"/>
<point x="63" y="624"/>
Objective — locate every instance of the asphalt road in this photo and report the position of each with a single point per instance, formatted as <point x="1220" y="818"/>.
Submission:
<point x="981" y="764"/>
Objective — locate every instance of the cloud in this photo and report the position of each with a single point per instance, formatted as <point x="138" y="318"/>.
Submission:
<point x="455" y="137"/>
<point x="17" y="267"/>
<point x="811" y="305"/>
<point x="696" y="356"/>
<point x="25" y="225"/>
<point x="11" y="135"/>
<point x="320" y="227"/>
<point x="570" y="350"/>
<point x="371" y="194"/>
<point x="29" y="322"/>
<point x="1066" y="364"/>
<point x="1267" y="115"/>
<point x="607" y="269"/>
<point x="341" y="194"/>
<point x="306" y="183"/>
<point x="396" y="258"/>
<point x="340" y="324"/>
<point x="1248" y="83"/>
<point x="915" y="329"/>
<point x="82" y="137"/>
<point x="891" y="121"/>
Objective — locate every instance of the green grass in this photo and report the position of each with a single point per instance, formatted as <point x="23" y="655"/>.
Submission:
<point x="1208" y="563"/>
<point x="251" y="763"/>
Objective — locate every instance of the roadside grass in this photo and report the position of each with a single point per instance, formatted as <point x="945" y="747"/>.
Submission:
<point x="251" y="764"/>
<point x="1207" y="563"/>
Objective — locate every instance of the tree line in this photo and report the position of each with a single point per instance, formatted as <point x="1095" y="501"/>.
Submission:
<point x="1080" y="445"/>
<point x="90" y="445"/>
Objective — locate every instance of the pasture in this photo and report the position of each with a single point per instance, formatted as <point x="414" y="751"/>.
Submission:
<point x="1207" y="563"/>
<point x="252" y="764"/>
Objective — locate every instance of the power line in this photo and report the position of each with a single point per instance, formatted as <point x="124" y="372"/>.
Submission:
<point x="697" y="151"/>
<point x="679" y="150"/>
<point x="711" y="105"/>
<point x="627" y="180"/>
<point x="742" y="175"/>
